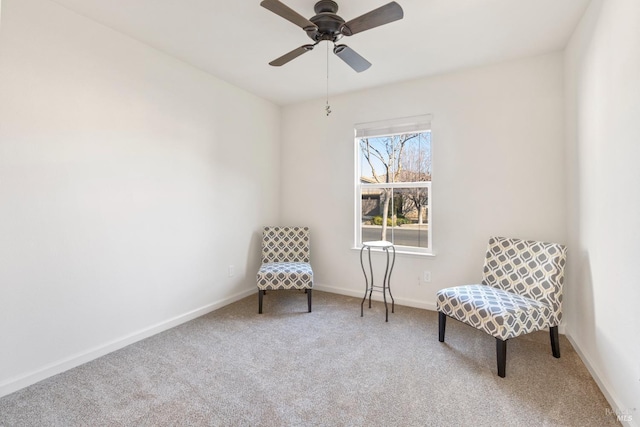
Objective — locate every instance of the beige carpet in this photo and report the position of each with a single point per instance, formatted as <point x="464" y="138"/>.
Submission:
<point x="331" y="367"/>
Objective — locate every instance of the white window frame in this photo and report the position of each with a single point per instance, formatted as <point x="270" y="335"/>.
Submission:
<point x="417" y="124"/>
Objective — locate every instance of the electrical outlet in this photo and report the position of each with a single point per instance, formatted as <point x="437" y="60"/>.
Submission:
<point x="232" y="271"/>
<point x="426" y="276"/>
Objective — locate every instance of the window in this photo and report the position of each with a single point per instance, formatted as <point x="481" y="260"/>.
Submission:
<point x="393" y="183"/>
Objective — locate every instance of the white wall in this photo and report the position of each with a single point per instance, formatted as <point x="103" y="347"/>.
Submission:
<point x="602" y="71"/>
<point x="129" y="181"/>
<point x="498" y="150"/>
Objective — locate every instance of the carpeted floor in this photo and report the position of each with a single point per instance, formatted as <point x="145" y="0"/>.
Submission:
<point x="330" y="367"/>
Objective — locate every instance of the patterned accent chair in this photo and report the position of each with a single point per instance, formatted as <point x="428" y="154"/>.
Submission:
<point x="285" y="261"/>
<point x="521" y="292"/>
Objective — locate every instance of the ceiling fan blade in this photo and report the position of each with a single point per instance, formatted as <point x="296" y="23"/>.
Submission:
<point x="351" y="57"/>
<point x="380" y="16"/>
<point x="289" y="14"/>
<point x="292" y="55"/>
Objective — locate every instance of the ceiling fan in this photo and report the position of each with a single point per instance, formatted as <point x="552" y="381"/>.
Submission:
<point x="326" y="25"/>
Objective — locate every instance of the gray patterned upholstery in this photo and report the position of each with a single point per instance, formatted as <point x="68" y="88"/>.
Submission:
<point x="521" y="290"/>
<point x="285" y="261"/>
<point x="285" y="275"/>
<point x="285" y="244"/>
<point x="499" y="313"/>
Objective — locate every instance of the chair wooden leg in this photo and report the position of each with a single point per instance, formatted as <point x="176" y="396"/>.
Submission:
<point x="555" y="342"/>
<point x="309" y="299"/>
<point x="260" y="294"/>
<point x="442" y="324"/>
<point x="501" y="352"/>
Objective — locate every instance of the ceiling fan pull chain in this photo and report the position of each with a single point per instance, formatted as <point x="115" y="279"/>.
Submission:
<point x="327" y="108"/>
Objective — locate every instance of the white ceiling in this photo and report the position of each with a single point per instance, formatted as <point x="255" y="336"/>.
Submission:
<point x="236" y="39"/>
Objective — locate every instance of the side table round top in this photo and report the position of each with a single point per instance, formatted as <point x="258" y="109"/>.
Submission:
<point x="378" y="244"/>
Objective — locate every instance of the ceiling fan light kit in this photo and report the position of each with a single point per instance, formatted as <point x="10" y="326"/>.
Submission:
<point x="326" y="25"/>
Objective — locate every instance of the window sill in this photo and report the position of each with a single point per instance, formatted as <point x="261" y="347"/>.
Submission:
<point x="400" y="252"/>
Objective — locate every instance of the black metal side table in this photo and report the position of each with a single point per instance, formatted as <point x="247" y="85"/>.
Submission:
<point x="386" y="282"/>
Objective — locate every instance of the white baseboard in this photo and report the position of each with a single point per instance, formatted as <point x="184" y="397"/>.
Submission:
<point x="622" y="414"/>
<point x="377" y="297"/>
<point x="17" y="383"/>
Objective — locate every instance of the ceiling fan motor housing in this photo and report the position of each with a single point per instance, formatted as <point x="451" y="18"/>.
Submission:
<point x="326" y="6"/>
<point x="329" y="24"/>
